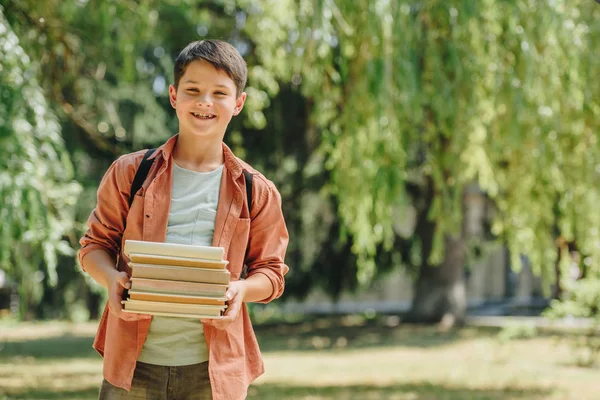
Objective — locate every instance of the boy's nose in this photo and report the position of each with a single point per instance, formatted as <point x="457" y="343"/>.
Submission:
<point x="204" y="101"/>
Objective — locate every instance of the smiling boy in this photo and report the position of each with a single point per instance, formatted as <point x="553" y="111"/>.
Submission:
<point x="195" y="193"/>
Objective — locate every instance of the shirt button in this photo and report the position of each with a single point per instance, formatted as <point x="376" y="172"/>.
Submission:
<point x="147" y="215"/>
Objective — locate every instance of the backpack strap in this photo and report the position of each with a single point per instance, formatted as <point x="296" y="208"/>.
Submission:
<point x="248" y="177"/>
<point x="140" y="175"/>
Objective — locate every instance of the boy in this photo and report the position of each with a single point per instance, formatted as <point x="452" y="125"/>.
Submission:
<point x="195" y="193"/>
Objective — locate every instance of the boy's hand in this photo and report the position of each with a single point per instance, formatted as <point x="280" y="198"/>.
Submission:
<point x="235" y="298"/>
<point x="116" y="286"/>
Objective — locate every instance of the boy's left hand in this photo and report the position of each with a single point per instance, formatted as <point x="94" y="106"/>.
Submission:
<point x="235" y="298"/>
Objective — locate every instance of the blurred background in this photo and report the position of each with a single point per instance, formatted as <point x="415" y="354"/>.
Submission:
<point x="438" y="162"/>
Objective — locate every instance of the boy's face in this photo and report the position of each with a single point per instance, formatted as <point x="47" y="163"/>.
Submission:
<point x="205" y="101"/>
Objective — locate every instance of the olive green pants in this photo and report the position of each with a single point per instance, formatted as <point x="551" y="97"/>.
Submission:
<point x="157" y="382"/>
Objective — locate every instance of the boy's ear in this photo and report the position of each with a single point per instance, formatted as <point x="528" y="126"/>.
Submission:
<point x="173" y="96"/>
<point x="239" y="104"/>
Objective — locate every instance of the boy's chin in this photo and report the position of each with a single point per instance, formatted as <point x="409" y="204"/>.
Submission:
<point x="202" y="133"/>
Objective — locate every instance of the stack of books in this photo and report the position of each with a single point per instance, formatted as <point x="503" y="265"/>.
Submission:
<point x="176" y="280"/>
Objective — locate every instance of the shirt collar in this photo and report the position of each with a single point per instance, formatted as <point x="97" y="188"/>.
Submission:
<point x="231" y="161"/>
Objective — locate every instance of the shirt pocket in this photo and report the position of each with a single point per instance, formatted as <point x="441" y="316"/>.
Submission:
<point x="137" y="207"/>
<point x="237" y="249"/>
<point x="203" y="227"/>
<point x="135" y="219"/>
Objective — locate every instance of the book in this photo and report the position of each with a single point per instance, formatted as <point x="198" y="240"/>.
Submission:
<point x="151" y="307"/>
<point x="177" y="298"/>
<point x="176" y="273"/>
<point x="176" y="280"/>
<point x="174" y="250"/>
<point x="177" y="287"/>
<point x="178" y="315"/>
<point x="142" y="258"/>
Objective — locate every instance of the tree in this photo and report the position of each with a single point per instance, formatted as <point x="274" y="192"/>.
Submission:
<point x="395" y="105"/>
<point x="416" y="100"/>
<point x="37" y="191"/>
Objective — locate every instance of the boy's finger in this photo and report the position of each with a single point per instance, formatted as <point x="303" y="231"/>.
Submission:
<point x="226" y="319"/>
<point x="123" y="280"/>
<point x="232" y="312"/>
<point x="237" y="306"/>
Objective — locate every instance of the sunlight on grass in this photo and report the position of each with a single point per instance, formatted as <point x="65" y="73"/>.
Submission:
<point x="326" y="360"/>
<point x="24" y="378"/>
<point x="48" y="360"/>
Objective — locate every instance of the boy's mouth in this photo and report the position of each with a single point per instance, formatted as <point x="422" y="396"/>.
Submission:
<point x="203" y="116"/>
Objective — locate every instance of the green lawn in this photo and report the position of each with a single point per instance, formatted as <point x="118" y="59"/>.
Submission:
<point x="341" y="358"/>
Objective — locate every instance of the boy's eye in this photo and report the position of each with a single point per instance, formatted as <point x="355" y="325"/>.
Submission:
<point x="221" y="93"/>
<point x="193" y="90"/>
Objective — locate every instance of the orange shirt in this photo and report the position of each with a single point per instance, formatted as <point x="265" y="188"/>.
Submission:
<point x="234" y="357"/>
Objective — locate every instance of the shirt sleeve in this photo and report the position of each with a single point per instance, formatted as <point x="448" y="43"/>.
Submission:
<point x="268" y="241"/>
<point x="106" y="222"/>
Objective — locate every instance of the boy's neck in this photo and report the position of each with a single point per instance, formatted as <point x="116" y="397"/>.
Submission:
<point x="198" y="155"/>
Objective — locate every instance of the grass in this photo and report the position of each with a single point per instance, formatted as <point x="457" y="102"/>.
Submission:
<point x="339" y="358"/>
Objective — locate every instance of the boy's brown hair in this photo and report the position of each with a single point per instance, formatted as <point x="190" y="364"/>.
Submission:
<point x="220" y="54"/>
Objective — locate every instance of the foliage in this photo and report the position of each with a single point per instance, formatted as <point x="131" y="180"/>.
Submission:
<point x="37" y="192"/>
<point x="91" y="67"/>
<point x="517" y="331"/>
<point x="105" y="68"/>
<point x="543" y="149"/>
<point x="581" y="300"/>
<point x="450" y="92"/>
<point x="358" y="110"/>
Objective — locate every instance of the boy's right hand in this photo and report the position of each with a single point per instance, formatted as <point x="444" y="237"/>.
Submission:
<point x="116" y="286"/>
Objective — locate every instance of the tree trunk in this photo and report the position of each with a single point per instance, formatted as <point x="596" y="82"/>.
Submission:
<point x="93" y="305"/>
<point x="439" y="291"/>
<point x="440" y="294"/>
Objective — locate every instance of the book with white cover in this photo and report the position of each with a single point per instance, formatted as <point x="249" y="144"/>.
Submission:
<point x="151" y="307"/>
<point x="140" y="258"/>
<point x="177" y="315"/>
<point x="173" y="249"/>
<point x="178" y="287"/>
<point x="177" y="298"/>
<point x="175" y="273"/>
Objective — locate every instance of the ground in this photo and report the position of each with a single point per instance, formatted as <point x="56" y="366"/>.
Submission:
<point x="328" y="358"/>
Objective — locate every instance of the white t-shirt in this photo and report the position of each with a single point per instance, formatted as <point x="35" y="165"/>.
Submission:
<point x="175" y="341"/>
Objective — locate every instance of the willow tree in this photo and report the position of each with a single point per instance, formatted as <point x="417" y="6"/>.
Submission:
<point x="416" y="100"/>
<point x="37" y="192"/>
<point x="409" y="103"/>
